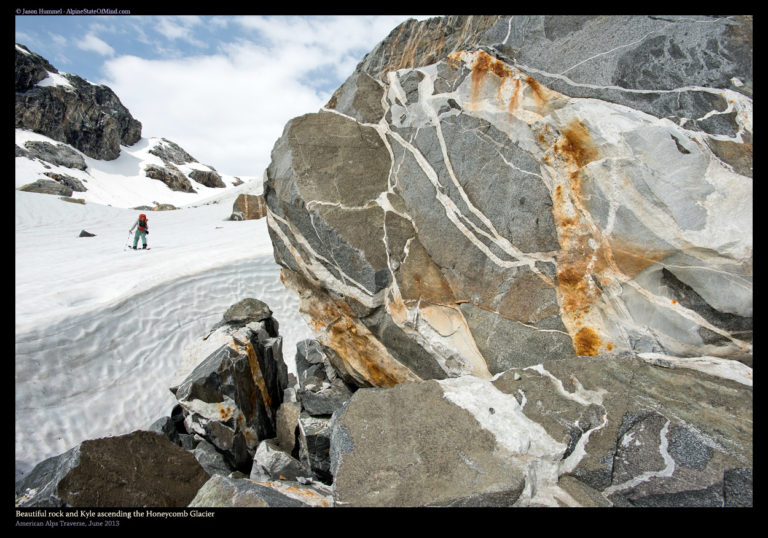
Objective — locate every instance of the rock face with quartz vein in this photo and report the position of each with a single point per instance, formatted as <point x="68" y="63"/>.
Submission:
<point x="586" y="431"/>
<point x="486" y="193"/>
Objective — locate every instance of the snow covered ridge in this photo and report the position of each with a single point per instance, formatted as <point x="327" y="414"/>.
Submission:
<point x="152" y="171"/>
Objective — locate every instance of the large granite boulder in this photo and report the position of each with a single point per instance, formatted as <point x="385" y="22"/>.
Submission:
<point x="70" y="109"/>
<point x="139" y="469"/>
<point x="609" y="431"/>
<point x="487" y="193"/>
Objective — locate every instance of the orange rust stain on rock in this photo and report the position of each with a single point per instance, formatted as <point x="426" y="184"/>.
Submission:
<point x="577" y="145"/>
<point x="538" y="91"/>
<point x="225" y="412"/>
<point x="484" y="64"/>
<point x="632" y="260"/>
<point x="258" y="378"/>
<point x="586" y="342"/>
<point x="357" y="350"/>
<point x="336" y="320"/>
<point x="576" y="269"/>
<point x="515" y="97"/>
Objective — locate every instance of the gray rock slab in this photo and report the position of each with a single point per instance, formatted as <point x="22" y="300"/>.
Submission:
<point x="409" y="446"/>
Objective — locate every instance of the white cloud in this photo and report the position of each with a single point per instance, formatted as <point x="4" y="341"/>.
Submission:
<point x="59" y="40"/>
<point x="92" y="43"/>
<point x="180" y="27"/>
<point x="228" y="109"/>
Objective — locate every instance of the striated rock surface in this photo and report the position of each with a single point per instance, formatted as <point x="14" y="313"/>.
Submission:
<point x="609" y="431"/>
<point x="68" y="108"/>
<point x="487" y="193"/>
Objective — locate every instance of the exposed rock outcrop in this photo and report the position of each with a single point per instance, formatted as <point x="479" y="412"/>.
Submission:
<point x="171" y="152"/>
<point x="90" y="120"/>
<point x="47" y="186"/>
<point x="70" y="109"/>
<point x="487" y="193"/>
<point x="171" y="176"/>
<point x="59" y="154"/>
<point x="173" y="157"/>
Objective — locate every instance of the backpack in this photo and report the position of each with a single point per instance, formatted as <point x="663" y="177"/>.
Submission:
<point x="143" y="223"/>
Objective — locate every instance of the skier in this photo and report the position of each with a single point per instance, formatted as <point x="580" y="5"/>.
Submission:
<point x="142" y="231"/>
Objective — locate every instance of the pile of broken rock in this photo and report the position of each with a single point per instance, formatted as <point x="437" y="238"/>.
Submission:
<point x="624" y="430"/>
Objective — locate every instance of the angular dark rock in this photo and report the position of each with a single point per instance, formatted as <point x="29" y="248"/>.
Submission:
<point x="231" y="398"/>
<point x="140" y="469"/>
<point x="315" y="445"/>
<point x="170" y="152"/>
<point x="288" y="427"/>
<point x="211" y="459"/>
<point x="272" y="463"/>
<point x="73" y="183"/>
<point x="247" y="310"/>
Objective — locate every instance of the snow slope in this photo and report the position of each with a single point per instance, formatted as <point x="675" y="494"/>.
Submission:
<point x="103" y="331"/>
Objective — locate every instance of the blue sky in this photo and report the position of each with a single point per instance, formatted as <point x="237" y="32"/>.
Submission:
<point x="222" y="87"/>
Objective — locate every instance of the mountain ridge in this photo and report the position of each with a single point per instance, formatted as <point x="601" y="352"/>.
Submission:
<point x="76" y="139"/>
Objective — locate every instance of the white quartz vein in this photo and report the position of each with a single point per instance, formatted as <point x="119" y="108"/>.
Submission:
<point x="664" y="302"/>
<point x="581" y="395"/>
<point x="725" y="368"/>
<point x="608" y="52"/>
<point x="668" y="470"/>
<point x="318" y="271"/>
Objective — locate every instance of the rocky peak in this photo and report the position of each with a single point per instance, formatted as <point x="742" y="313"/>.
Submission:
<point x="170" y="152"/>
<point x="70" y="109"/>
<point x="31" y="68"/>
